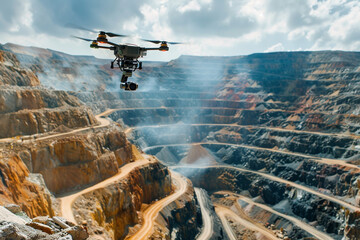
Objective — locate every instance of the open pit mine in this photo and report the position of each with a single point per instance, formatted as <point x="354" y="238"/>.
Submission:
<point x="264" y="146"/>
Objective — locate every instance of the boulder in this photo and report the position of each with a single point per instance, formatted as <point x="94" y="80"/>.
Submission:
<point x="77" y="233"/>
<point x="6" y="215"/>
<point x="11" y="231"/>
<point x="13" y="208"/>
<point x="41" y="227"/>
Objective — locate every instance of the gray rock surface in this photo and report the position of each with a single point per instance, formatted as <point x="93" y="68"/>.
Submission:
<point x="6" y="215"/>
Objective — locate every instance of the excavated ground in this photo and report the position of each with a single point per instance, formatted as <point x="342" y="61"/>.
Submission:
<point x="293" y="117"/>
<point x="58" y="158"/>
<point x="280" y="131"/>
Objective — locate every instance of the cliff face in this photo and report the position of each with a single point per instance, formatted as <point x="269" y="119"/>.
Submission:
<point x="19" y="186"/>
<point x="27" y="108"/>
<point x="181" y="218"/>
<point x="73" y="162"/>
<point x="25" y="122"/>
<point x="13" y="74"/>
<point x="111" y="210"/>
<point x="13" y="99"/>
<point x="65" y="72"/>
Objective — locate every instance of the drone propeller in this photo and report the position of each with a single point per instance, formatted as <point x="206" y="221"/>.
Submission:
<point x="159" y="41"/>
<point x="74" y="26"/>
<point x="109" y="34"/>
<point x="85" y="39"/>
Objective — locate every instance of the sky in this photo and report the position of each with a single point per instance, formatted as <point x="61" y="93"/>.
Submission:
<point x="208" y="27"/>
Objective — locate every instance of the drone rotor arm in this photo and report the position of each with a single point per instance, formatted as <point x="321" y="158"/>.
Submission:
<point x="111" y="43"/>
<point x="111" y="48"/>
<point x="151" y="49"/>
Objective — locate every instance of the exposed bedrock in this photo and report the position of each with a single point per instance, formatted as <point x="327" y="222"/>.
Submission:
<point x="215" y="222"/>
<point x="111" y="210"/>
<point x="330" y="146"/>
<point x="340" y="181"/>
<point x="27" y="108"/>
<point x="181" y="218"/>
<point x="26" y="122"/>
<point x="27" y="190"/>
<point x="63" y="71"/>
<point x="292" y="120"/>
<point x="13" y="99"/>
<point x="293" y="115"/>
<point x="261" y="215"/>
<point x="329" y="215"/>
<point x="12" y="73"/>
<point x="74" y="162"/>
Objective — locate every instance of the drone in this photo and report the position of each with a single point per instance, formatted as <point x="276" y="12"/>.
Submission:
<point x="126" y="55"/>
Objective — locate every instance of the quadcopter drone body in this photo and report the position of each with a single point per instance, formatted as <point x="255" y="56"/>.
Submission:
<point x="126" y="55"/>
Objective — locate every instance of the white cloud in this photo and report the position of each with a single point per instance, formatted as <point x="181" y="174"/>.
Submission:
<point x="216" y="27"/>
<point x="191" y="6"/>
<point x="131" y="25"/>
<point x="275" y="48"/>
<point x="346" y="26"/>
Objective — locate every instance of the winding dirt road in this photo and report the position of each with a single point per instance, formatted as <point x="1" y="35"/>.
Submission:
<point x="207" y="221"/>
<point x="153" y="210"/>
<point x="313" y="231"/>
<point x="342" y="135"/>
<point x="223" y="212"/>
<point x="225" y="223"/>
<point x="277" y="179"/>
<point x="67" y="201"/>
<point x="297" y="222"/>
<point x="28" y="138"/>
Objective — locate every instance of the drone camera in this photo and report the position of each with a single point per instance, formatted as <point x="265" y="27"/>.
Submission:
<point x="129" y="86"/>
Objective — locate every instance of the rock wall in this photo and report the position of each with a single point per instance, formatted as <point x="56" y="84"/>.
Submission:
<point x="17" y="186"/>
<point x="27" y="108"/>
<point x="73" y="162"/>
<point x="26" y="122"/>
<point x="181" y="218"/>
<point x="110" y="211"/>
<point x="65" y="72"/>
<point x="13" y="74"/>
<point x="329" y="215"/>
<point x="13" y="99"/>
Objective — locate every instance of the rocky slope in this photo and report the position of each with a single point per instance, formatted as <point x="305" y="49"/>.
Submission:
<point x="293" y="115"/>
<point x="61" y="71"/>
<point x="110" y="211"/>
<point x="27" y="108"/>
<point x="15" y="224"/>
<point x="280" y="118"/>
<point x="52" y="145"/>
